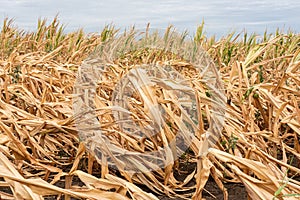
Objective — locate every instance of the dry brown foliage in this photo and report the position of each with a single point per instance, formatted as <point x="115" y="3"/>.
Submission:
<point x="39" y="143"/>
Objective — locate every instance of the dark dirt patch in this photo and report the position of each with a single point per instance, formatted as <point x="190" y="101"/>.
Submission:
<point x="235" y="191"/>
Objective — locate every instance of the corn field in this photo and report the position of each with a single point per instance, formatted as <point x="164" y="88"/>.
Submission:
<point x="44" y="156"/>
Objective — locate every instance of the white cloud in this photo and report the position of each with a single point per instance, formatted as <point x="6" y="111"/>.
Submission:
<point x="219" y="15"/>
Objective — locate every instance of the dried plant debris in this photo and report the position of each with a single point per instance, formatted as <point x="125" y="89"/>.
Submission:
<point x="226" y="109"/>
